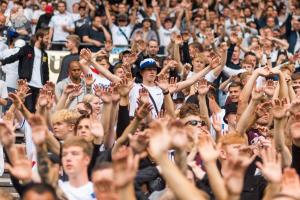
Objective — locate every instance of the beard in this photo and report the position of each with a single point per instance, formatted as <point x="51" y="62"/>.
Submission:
<point x="43" y="45"/>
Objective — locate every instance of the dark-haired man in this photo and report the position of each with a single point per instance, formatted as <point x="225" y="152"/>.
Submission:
<point x="33" y="66"/>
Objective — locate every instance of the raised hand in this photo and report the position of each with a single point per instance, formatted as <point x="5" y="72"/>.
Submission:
<point x="257" y="94"/>
<point x="23" y="89"/>
<point x="295" y="107"/>
<point x="125" y="165"/>
<point x="207" y="148"/>
<point x="89" y="80"/>
<point x="97" y="131"/>
<point x="178" y="40"/>
<point x="163" y="82"/>
<point x="234" y="172"/>
<point x="271" y="167"/>
<point x="16" y="100"/>
<point x="50" y="86"/>
<point x="143" y="110"/>
<point x="217" y="123"/>
<point x="290" y="184"/>
<point x="269" y="88"/>
<point x="103" y="93"/>
<point x="39" y="129"/>
<point x="263" y="71"/>
<point x="115" y="95"/>
<point x="76" y="92"/>
<point x="178" y="134"/>
<point x="69" y="88"/>
<point x="42" y="100"/>
<point x="139" y="142"/>
<point x="144" y="95"/>
<point x="7" y="135"/>
<point x="124" y="87"/>
<point x="203" y="87"/>
<point x="22" y="169"/>
<point x="279" y="109"/>
<point x="86" y="54"/>
<point x="160" y="140"/>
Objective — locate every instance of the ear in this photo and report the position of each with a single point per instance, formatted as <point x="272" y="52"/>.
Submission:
<point x="86" y="160"/>
<point x="223" y="154"/>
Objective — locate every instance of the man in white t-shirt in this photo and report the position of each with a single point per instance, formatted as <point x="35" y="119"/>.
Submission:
<point x="121" y="32"/>
<point x="61" y="25"/>
<point x="148" y="72"/>
<point x="76" y="156"/>
<point x="166" y="29"/>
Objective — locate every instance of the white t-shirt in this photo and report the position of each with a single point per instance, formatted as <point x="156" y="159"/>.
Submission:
<point x="36" y="79"/>
<point x="36" y="15"/>
<point x="117" y="37"/>
<point x="210" y="77"/>
<point x="99" y="80"/>
<point x="165" y="35"/>
<point x="57" y="22"/>
<point x="155" y="92"/>
<point x="84" y="192"/>
<point x="10" y="70"/>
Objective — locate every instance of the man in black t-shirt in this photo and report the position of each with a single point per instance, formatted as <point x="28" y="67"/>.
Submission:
<point x="96" y="34"/>
<point x="81" y="23"/>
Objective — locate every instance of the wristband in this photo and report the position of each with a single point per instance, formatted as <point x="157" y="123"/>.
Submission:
<point x="166" y="92"/>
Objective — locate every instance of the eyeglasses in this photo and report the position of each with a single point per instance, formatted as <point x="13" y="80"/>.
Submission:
<point x="195" y="123"/>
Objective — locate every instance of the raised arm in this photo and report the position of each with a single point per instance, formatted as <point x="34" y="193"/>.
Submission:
<point x="184" y="84"/>
<point x="108" y="15"/>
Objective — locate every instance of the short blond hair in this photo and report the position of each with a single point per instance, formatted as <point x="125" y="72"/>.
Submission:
<point x="88" y="98"/>
<point x="64" y="115"/>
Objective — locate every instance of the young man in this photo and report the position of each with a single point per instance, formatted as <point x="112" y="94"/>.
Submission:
<point x="39" y="191"/>
<point x="61" y="25"/>
<point x="121" y="32"/>
<point x="33" y="66"/>
<point x="148" y="72"/>
<point x="95" y="34"/>
<point x="76" y="156"/>
<point x="72" y="44"/>
<point x="63" y="122"/>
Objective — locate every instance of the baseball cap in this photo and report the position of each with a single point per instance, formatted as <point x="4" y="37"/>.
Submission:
<point x="49" y="9"/>
<point x="230" y="108"/>
<point x="122" y="17"/>
<point x="148" y="63"/>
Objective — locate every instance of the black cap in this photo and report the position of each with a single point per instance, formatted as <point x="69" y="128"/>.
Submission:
<point x="178" y="96"/>
<point x="146" y="19"/>
<point x="122" y="17"/>
<point x="230" y="108"/>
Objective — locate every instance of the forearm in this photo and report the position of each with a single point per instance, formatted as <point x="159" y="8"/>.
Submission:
<point x="292" y="94"/>
<point x="106" y="34"/>
<point x="86" y="39"/>
<point x="131" y="128"/>
<point x="105" y="119"/>
<point x="271" y="190"/>
<point x="26" y="113"/>
<point x="61" y="102"/>
<point x="203" y="108"/>
<point x="245" y="94"/>
<point x="216" y="182"/>
<point x="3" y="102"/>
<point x="246" y="118"/>
<point x="127" y="193"/>
<point x="106" y="73"/>
<point x="53" y="144"/>
<point x="184" y="84"/>
<point x="169" y="105"/>
<point x="111" y="137"/>
<point x="279" y="138"/>
<point x="283" y="91"/>
<point x="174" y="178"/>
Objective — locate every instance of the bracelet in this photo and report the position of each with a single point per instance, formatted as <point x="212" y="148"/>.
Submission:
<point x="166" y="92"/>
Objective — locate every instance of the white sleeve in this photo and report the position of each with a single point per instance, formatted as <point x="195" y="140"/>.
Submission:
<point x="71" y="22"/>
<point x="51" y="23"/>
<point x="1" y="160"/>
<point x="231" y="72"/>
<point x="29" y="145"/>
<point x="3" y="90"/>
<point x="210" y="77"/>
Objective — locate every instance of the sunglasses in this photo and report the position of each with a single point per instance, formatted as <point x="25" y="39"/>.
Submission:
<point x="195" y="123"/>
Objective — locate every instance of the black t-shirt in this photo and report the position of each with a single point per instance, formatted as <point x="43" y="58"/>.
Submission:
<point x="95" y="35"/>
<point x="81" y="25"/>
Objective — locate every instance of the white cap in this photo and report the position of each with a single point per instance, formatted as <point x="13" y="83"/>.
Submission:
<point x="19" y="43"/>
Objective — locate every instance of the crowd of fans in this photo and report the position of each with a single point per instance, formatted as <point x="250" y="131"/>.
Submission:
<point x="203" y="102"/>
